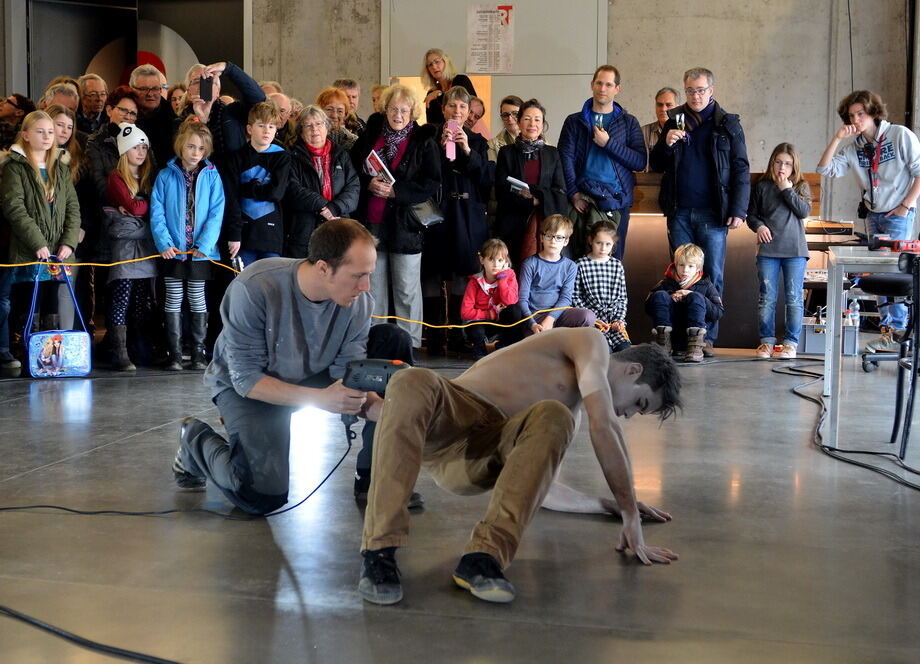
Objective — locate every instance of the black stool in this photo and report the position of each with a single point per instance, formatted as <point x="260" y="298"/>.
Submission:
<point x="896" y="285"/>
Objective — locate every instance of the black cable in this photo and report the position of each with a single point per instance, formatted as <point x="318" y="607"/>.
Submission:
<point x="850" y="35"/>
<point x="818" y="438"/>
<point x="200" y="510"/>
<point x="89" y="644"/>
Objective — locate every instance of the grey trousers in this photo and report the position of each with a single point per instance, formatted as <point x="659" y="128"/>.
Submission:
<point x="402" y="274"/>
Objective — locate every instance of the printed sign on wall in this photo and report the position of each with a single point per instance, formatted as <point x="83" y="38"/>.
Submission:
<point x="490" y="39"/>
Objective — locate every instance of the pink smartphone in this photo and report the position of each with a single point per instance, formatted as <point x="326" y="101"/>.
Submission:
<point x="450" y="148"/>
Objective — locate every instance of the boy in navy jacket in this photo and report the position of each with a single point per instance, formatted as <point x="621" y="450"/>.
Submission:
<point x="684" y="299"/>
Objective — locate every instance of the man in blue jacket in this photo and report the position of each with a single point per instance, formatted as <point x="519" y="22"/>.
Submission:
<point x="707" y="181"/>
<point x="600" y="147"/>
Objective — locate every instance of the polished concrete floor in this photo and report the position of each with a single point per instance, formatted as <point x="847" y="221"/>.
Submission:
<point x="786" y="554"/>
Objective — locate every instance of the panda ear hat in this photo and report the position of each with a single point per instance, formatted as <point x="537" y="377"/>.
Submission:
<point x="129" y="136"/>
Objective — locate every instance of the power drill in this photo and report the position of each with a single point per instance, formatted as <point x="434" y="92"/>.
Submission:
<point x="876" y="243"/>
<point x="368" y="376"/>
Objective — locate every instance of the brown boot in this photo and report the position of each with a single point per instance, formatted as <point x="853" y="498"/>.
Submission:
<point x="120" y="359"/>
<point x="661" y="336"/>
<point x="696" y="337"/>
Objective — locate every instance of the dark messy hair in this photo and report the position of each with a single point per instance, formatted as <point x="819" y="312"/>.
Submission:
<point x="332" y="239"/>
<point x="659" y="372"/>
<point x="871" y="102"/>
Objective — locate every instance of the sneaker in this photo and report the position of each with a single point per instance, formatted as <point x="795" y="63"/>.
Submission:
<point x="787" y="353"/>
<point x="764" y="351"/>
<point x="7" y="361"/>
<point x="379" y="583"/>
<point x="187" y="477"/>
<point x="887" y="342"/>
<point x="481" y="574"/>
<point x="708" y="350"/>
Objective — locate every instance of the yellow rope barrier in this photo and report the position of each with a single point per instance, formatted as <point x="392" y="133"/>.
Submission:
<point x="124" y="262"/>
<point x="598" y="324"/>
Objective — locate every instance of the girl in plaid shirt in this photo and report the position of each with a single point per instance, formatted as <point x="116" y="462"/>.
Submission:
<point x="601" y="285"/>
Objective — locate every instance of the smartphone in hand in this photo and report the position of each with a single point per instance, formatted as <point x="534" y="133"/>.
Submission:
<point x="450" y="148"/>
<point x="206" y="88"/>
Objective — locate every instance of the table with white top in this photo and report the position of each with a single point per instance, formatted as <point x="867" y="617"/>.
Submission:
<point x="842" y="261"/>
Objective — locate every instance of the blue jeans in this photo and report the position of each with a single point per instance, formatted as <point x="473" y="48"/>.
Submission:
<point x="689" y="312"/>
<point x="248" y="256"/>
<point x="768" y="269"/>
<point x="898" y="228"/>
<point x="699" y="226"/>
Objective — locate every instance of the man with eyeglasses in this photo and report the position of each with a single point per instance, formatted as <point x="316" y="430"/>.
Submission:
<point x="601" y="146"/>
<point x="12" y="110"/>
<point x="155" y="114"/>
<point x="707" y="180"/>
<point x="93" y="93"/>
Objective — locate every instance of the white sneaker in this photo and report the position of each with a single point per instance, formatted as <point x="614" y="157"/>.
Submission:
<point x="764" y="351"/>
<point x="787" y="353"/>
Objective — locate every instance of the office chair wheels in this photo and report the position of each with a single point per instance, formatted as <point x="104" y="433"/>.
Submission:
<point x="869" y="365"/>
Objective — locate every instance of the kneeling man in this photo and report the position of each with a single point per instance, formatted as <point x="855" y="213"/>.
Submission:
<point x="504" y="426"/>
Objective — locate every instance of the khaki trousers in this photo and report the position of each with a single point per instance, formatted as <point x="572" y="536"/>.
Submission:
<point x="469" y="447"/>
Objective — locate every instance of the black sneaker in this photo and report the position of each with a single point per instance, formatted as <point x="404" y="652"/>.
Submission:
<point x="187" y="478"/>
<point x="379" y="583"/>
<point x="481" y="574"/>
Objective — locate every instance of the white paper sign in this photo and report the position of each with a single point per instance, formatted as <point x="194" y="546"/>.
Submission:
<point x="490" y="39"/>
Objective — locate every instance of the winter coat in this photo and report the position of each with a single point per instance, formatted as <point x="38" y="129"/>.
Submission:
<point x="418" y="178"/>
<point x="732" y="186"/>
<point x="304" y="197"/>
<point x="26" y="209"/>
<point x="128" y="233"/>
<point x="168" y="206"/>
<point x="479" y="303"/>
<point x="254" y="186"/>
<point x="513" y="209"/>
<point x="714" y="306"/>
<point x="102" y="158"/>
<point x="452" y="248"/>
<point x="626" y="146"/>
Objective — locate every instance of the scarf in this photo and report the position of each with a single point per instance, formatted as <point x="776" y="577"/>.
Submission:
<point x="695" y="119"/>
<point x="322" y="163"/>
<point x="531" y="149"/>
<point x="671" y="273"/>
<point x="391" y="140"/>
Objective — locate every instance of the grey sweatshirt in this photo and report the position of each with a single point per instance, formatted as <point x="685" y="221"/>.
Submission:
<point x="899" y="164"/>
<point x="782" y="212"/>
<point x="272" y="329"/>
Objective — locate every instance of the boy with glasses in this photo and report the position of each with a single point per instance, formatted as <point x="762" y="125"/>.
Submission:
<point x="548" y="282"/>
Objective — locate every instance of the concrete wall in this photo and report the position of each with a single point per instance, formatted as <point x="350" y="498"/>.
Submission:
<point x="781" y="64"/>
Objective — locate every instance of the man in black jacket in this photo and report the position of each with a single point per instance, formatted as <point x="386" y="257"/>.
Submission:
<point x="706" y="183"/>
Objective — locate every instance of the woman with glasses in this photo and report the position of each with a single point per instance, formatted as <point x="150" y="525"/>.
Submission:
<point x="440" y="75"/>
<point x="507" y="111"/>
<point x="410" y="155"/>
<point x="529" y="160"/>
<point x="101" y="148"/>
<point x="334" y="102"/>
<point x="323" y="185"/>
<point x="176" y="97"/>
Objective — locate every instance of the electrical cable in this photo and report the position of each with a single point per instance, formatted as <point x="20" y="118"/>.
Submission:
<point x="837" y="453"/>
<point x="89" y="644"/>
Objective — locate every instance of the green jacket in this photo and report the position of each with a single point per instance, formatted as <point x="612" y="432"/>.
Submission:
<point x="33" y="225"/>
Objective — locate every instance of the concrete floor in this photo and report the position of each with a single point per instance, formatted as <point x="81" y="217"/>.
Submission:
<point x="786" y="555"/>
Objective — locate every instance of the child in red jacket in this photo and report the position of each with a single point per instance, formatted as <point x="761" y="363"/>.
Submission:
<point x="491" y="295"/>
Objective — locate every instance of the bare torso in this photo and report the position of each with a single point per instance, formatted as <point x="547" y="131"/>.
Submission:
<point x="541" y="367"/>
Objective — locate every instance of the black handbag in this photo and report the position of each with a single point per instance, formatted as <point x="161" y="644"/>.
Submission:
<point x="426" y="214"/>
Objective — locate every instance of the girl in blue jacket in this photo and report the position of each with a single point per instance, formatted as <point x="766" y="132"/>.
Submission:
<point x="186" y="210"/>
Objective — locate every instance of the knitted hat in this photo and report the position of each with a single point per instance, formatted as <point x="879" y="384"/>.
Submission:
<point x="130" y="135"/>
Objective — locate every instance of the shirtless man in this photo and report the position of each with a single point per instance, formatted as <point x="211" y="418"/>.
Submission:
<point x="505" y="425"/>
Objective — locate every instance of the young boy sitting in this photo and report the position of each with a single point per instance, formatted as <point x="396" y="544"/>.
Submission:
<point x="548" y="281"/>
<point x="255" y="179"/>
<point x="684" y="299"/>
<point x="490" y="295"/>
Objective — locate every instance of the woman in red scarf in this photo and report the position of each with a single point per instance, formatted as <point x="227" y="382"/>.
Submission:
<point x="324" y="184"/>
